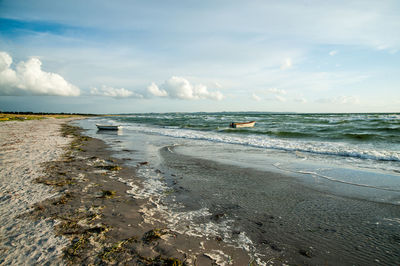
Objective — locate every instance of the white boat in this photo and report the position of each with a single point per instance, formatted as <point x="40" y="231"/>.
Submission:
<point x="108" y="127"/>
<point x="245" y="124"/>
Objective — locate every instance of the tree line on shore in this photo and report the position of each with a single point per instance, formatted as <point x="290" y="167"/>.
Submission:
<point x="46" y="113"/>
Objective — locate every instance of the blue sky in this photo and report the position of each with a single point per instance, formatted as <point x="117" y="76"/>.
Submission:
<point x="173" y="56"/>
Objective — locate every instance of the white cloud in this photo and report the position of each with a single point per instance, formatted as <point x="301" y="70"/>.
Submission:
<point x="277" y="91"/>
<point x="181" y="88"/>
<point x="343" y="100"/>
<point x="156" y="91"/>
<point x="332" y="53"/>
<point x="115" y="93"/>
<point x="256" y="97"/>
<point x="280" y="98"/>
<point x="286" y="64"/>
<point x="29" y="79"/>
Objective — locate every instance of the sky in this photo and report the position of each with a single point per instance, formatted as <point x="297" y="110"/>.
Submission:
<point x="101" y="56"/>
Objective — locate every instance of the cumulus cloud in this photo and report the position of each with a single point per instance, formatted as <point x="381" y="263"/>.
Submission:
<point x="115" y="93"/>
<point x="181" y="88"/>
<point x="154" y="90"/>
<point x="28" y="78"/>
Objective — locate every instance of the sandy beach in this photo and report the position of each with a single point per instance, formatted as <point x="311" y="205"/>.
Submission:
<point x="25" y="146"/>
<point x="62" y="202"/>
<point x="73" y="195"/>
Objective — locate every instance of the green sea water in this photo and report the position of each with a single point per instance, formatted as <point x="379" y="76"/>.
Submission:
<point x="369" y="136"/>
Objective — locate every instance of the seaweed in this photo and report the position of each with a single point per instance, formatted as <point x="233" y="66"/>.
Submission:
<point x="55" y="182"/>
<point x="109" y="253"/>
<point x="110" y="167"/>
<point x="152" y="235"/>
<point x="63" y="199"/>
<point x="77" y="245"/>
<point x="159" y="260"/>
<point x="107" y="194"/>
<point x="80" y="218"/>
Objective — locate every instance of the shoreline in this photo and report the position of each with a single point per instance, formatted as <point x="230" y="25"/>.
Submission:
<point x="93" y="205"/>
<point x="104" y="224"/>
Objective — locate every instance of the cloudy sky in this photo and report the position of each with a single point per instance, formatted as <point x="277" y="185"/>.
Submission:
<point x="102" y="56"/>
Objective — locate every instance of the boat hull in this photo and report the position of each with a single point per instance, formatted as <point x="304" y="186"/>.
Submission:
<point x="107" y="127"/>
<point x="240" y="125"/>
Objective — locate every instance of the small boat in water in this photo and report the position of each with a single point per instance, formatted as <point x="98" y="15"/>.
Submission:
<point x="245" y="124"/>
<point x="108" y="127"/>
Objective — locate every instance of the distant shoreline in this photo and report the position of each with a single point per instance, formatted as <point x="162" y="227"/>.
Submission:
<point x="47" y="113"/>
<point x="197" y="112"/>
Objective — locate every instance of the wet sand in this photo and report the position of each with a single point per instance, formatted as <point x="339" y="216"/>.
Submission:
<point x="287" y="219"/>
<point x="86" y="208"/>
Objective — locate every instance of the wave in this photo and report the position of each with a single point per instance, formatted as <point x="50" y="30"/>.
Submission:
<point x="263" y="141"/>
<point x="360" y="136"/>
<point x="333" y="179"/>
<point x="280" y="134"/>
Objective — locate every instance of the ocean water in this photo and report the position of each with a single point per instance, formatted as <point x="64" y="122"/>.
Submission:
<point x="325" y="183"/>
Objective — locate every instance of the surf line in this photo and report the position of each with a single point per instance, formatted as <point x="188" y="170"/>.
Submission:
<point x="277" y="165"/>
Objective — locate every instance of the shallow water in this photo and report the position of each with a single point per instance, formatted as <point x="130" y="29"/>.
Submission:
<point x="299" y="206"/>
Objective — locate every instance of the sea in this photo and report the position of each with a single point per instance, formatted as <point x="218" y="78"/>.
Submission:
<point x="305" y="189"/>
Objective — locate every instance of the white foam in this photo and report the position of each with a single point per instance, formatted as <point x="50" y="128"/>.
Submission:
<point x="152" y="187"/>
<point x="219" y="257"/>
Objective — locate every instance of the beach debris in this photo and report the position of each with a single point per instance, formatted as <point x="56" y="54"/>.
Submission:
<point x="110" y="167"/>
<point x="77" y="243"/>
<point x="306" y="253"/>
<point x="107" y="194"/>
<point x="110" y="253"/>
<point x="59" y="181"/>
<point x="152" y="235"/>
<point x="159" y="260"/>
<point x="218" y="238"/>
<point x="63" y="199"/>
<point x="73" y="227"/>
